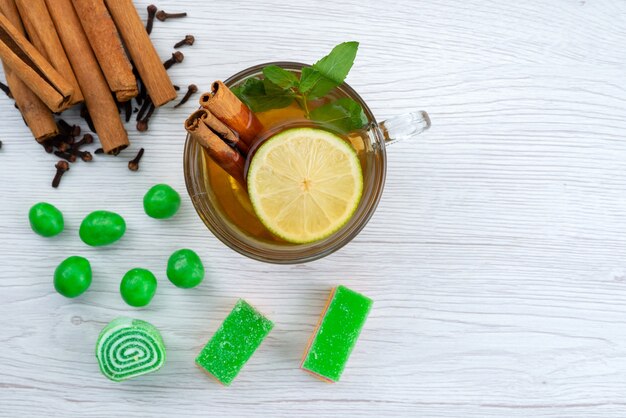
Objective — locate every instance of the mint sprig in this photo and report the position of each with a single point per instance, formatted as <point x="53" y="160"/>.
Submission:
<point x="279" y="88"/>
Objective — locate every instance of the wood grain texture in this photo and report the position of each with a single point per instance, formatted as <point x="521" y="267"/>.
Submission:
<point x="497" y="257"/>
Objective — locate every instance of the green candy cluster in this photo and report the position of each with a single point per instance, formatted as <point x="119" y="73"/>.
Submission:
<point x="73" y="275"/>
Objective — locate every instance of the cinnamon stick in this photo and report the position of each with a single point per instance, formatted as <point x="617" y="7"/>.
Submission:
<point x="107" y="45"/>
<point x="98" y="98"/>
<point x="224" y="132"/>
<point x="233" y="112"/>
<point x="142" y="52"/>
<point x="229" y="159"/>
<point x="32" y="68"/>
<point x="36" y="114"/>
<point x="43" y="35"/>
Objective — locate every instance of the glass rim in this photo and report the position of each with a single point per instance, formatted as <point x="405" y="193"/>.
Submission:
<point x="289" y="254"/>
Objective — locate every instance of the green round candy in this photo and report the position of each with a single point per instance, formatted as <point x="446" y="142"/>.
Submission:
<point x="45" y="219"/>
<point x="185" y="269"/>
<point x="161" y="201"/>
<point x="73" y="276"/>
<point x="138" y="287"/>
<point x="102" y="228"/>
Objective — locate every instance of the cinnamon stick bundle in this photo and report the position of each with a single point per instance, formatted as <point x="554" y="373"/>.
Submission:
<point x="226" y="157"/>
<point x="142" y="52"/>
<point x="36" y="114"/>
<point x="224" y="132"/>
<point x="233" y="112"/>
<point x="98" y="98"/>
<point x="43" y="35"/>
<point x="32" y="68"/>
<point x="107" y="45"/>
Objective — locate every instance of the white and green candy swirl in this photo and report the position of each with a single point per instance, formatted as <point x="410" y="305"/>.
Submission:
<point x="128" y="348"/>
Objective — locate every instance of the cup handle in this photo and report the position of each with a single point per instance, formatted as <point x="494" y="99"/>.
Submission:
<point x="404" y="126"/>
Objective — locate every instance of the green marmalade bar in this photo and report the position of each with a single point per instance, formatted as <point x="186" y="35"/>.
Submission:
<point x="241" y="333"/>
<point x="336" y="334"/>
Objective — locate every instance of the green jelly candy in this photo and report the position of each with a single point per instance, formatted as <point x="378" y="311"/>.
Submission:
<point x="336" y="334"/>
<point x="138" y="287"/>
<point x="73" y="276"/>
<point x="185" y="269"/>
<point x="241" y="333"/>
<point x="102" y="228"/>
<point x="128" y="348"/>
<point x="45" y="219"/>
<point x="161" y="201"/>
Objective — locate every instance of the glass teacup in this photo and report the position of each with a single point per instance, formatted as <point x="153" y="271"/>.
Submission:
<point x="370" y="145"/>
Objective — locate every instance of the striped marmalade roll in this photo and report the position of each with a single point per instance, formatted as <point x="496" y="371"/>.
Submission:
<point x="128" y="348"/>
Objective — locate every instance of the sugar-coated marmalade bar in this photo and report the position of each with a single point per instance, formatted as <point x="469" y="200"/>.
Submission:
<point x="241" y="333"/>
<point x="336" y="334"/>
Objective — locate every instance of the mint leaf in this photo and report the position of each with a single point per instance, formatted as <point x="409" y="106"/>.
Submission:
<point x="345" y="115"/>
<point x="336" y="65"/>
<point x="314" y="85"/>
<point x="329" y="72"/>
<point x="272" y="89"/>
<point x="280" y="77"/>
<point x="250" y="86"/>
<point x="262" y="95"/>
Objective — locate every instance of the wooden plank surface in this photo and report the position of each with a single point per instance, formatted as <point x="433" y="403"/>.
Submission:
<point x="497" y="257"/>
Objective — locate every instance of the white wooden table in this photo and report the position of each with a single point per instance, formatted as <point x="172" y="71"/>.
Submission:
<point x="496" y="259"/>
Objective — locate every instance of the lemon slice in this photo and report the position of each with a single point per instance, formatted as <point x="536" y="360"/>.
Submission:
<point x="305" y="184"/>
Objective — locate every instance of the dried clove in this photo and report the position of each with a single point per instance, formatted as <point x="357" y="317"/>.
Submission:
<point x="144" y="108"/>
<point x="62" y="141"/>
<point x="84" y="113"/>
<point x="189" y="40"/>
<point x="152" y="10"/>
<point x="6" y="90"/>
<point x="99" y="151"/>
<point x="87" y="139"/>
<point x="143" y="93"/>
<point x="0" y="144"/>
<point x="177" y="88"/>
<point x="190" y="91"/>
<point x="63" y="146"/>
<point x="163" y="16"/>
<point x="64" y="127"/>
<point x="142" y="87"/>
<point x="62" y="167"/>
<point x="83" y="155"/>
<point x="65" y="155"/>
<point x="90" y="124"/>
<point x="133" y="165"/>
<point x="128" y="110"/>
<point x="48" y="147"/>
<point x="142" y="125"/>
<point x="177" y="58"/>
